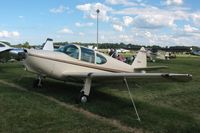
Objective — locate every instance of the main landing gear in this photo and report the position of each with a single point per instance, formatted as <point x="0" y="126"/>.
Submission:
<point x="84" y="93"/>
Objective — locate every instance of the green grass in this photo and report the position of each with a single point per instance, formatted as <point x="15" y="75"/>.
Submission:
<point x="163" y="107"/>
<point x="25" y="112"/>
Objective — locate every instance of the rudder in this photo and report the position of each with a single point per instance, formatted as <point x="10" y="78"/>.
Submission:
<point x="48" y="45"/>
<point x="140" y="60"/>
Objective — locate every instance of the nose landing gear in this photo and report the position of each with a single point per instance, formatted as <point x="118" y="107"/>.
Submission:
<point x="37" y="83"/>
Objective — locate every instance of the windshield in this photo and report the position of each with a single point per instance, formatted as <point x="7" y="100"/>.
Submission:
<point x="87" y="55"/>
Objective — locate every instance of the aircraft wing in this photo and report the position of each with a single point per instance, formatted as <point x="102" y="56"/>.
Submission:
<point x="136" y="76"/>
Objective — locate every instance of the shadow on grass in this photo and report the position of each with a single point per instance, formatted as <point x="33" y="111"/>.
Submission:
<point x="154" y="118"/>
<point x="1" y="70"/>
<point x="13" y="65"/>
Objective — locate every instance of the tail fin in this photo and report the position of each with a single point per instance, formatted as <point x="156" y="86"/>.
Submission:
<point x="140" y="59"/>
<point x="48" y="45"/>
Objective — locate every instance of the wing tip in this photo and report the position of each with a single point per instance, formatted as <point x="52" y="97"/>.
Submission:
<point x="178" y="77"/>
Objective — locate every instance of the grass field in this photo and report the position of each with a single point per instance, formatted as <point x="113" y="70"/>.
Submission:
<point x="163" y="107"/>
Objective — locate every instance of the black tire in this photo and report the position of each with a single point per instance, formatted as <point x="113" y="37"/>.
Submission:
<point x="36" y="84"/>
<point x="81" y="98"/>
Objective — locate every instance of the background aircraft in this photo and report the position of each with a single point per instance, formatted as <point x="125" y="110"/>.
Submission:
<point x="153" y="56"/>
<point x="7" y="52"/>
<point x="4" y="52"/>
<point x="195" y="53"/>
<point x="159" y="55"/>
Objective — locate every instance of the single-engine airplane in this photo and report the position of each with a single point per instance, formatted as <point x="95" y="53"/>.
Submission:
<point x="153" y="56"/>
<point x="77" y="62"/>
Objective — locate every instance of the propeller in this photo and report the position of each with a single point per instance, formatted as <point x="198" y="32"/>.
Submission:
<point x="18" y="54"/>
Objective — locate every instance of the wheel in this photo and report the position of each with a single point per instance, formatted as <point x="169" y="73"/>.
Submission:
<point x="81" y="98"/>
<point x="37" y="83"/>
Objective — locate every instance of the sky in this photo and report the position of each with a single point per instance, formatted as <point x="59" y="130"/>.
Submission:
<point x="144" y="22"/>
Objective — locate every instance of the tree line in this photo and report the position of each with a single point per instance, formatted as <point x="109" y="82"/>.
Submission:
<point x="114" y="45"/>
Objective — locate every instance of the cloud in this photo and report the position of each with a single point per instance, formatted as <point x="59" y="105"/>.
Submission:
<point x="127" y="20"/>
<point x="188" y="32"/>
<point x="180" y="37"/>
<point x="175" y="12"/>
<point x="147" y="24"/>
<point x="66" y="31"/>
<point x="126" y="38"/>
<point x="121" y="2"/>
<point x="185" y="39"/>
<point x="84" y="24"/>
<point x="196" y="18"/>
<point x="146" y="37"/>
<point x="81" y="33"/>
<point x="153" y="17"/>
<point x="117" y="27"/>
<point x="173" y="2"/>
<point x="59" y="9"/>
<point x="190" y="29"/>
<point x="7" y="34"/>
<point x="154" y="21"/>
<point x="89" y="11"/>
<point x="84" y="7"/>
<point x="150" y="25"/>
<point x="148" y="34"/>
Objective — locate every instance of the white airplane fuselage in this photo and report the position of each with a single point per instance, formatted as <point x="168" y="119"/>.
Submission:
<point x="55" y="64"/>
